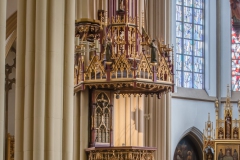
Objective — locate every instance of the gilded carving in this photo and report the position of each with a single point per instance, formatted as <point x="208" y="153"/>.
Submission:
<point x="121" y="60"/>
<point x="112" y="153"/>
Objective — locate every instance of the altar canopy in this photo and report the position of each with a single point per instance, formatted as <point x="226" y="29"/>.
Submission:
<point x="222" y="143"/>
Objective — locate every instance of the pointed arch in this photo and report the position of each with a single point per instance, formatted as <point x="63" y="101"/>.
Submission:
<point x="191" y="140"/>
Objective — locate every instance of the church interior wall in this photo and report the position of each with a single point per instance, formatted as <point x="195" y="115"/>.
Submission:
<point x="210" y="48"/>
<point x="189" y="107"/>
<point x="186" y="114"/>
<point x="224" y="45"/>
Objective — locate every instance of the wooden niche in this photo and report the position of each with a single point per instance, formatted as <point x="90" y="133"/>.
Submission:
<point x="101" y="118"/>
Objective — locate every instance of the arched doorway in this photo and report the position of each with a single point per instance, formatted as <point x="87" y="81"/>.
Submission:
<point x="190" y="146"/>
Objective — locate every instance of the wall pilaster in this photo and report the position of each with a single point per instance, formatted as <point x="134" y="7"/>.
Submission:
<point x="3" y="6"/>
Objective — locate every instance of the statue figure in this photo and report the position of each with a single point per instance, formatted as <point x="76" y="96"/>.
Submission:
<point x="153" y="52"/>
<point x="179" y="155"/>
<point x="189" y="157"/>
<point x="216" y="103"/>
<point x="228" y="126"/>
<point x="108" y="48"/>
<point x="235" y="155"/>
<point x="209" y="154"/>
<point x="220" y="155"/>
<point x="121" y="5"/>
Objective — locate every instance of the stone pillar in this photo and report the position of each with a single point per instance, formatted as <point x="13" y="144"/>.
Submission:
<point x="83" y="9"/>
<point x="29" y="80"/>
<point x="68" y="80"/>
<point x="162" y="146"/>
<point x="159" y="26"/>
<point x="3" y="6"/>
<point x="168" y="128"/>
<point x="20" y="83"/>
<point x="44" y="95"/>
<point x="159" y="125"/>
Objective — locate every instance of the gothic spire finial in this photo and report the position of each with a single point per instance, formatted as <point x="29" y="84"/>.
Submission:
<point x="228" y="91"/>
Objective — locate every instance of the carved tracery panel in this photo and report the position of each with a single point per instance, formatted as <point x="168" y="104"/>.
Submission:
<point x="101" y="118"/>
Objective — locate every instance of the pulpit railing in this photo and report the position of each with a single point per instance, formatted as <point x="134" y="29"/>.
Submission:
<point x="10" y="147"/>
<point x="121" y="153"/>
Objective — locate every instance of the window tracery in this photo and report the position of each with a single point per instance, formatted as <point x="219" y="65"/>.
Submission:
<point x="102" y="114"/>
<point x="190" y="43"/>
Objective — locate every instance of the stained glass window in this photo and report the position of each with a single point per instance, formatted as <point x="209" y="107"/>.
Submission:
<point x="189" y="43"/>
<point x="235" y="59"/>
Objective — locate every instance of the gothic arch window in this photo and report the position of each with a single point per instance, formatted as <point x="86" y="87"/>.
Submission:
<point x="190" y="145"/>
<point x="190" y="43"/>
<point x="235" y="54"/>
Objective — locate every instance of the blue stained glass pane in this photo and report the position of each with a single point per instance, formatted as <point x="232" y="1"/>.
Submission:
<point x="198" y="64"/>
<point x="178" y="61"/>
<point x="187" y="30"/>
<point x="236" y="83"/>
<point x="178" y="45"/>
<point x="187" y="63"/>
<point x="198" y="48"/>
<point x="198" y="81"/>
<point x="187" y="46"/>
<point x="189" y="40"/>
<point x="179" y="78"/>
<point x="188" y="3"/>
<point x="235" y="38"/>
<point x="187" y="14"/>
<point x="198" y="16"/>
<point x="235" y="51"/>
<point x="178" y="29"/>
<point x="198" y="3"/>
<point x="179" y="2"/>
<point x="178" y="13"/>
<point x="187" y="79"/>
<point x="236" y="67"/>
<point x="198" y="32"/>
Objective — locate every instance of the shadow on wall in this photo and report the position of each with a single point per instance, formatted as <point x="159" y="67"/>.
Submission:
<point x="190" y="146"/>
